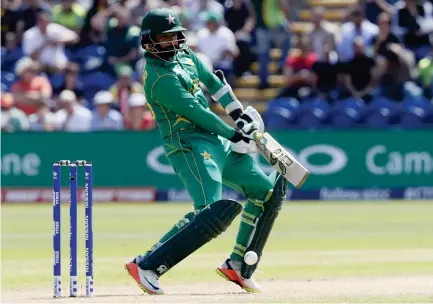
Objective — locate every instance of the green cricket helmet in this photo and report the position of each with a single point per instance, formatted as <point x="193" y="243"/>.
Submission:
<point x="158" y="22"/>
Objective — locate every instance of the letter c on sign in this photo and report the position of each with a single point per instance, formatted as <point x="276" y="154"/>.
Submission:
<point x="338" y="162"/>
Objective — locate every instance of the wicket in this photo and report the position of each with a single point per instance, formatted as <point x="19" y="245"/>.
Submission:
<point x="73" y="231"/>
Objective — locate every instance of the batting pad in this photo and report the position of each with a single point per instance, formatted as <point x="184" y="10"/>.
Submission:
<point x="265" y="223"/>
<point x="206" y="225"/>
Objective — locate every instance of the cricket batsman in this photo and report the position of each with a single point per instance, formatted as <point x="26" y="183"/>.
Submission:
<point x="205" y="153"/>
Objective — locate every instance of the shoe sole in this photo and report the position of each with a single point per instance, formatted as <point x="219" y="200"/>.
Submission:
<point x="223" y="275"/>
<point x="139" y="285"/>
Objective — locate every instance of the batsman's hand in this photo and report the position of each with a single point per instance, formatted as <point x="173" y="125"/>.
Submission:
<point x="243" y="140"/>
<point x="248" y="116"/>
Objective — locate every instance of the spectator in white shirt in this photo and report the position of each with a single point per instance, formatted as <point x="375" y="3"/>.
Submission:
<point x="218" y="43"/>
<point x="104" y="118"/>
<point x="357" y="27"/>
<point x="73" y="117"/>
<point x="45" y="42"/>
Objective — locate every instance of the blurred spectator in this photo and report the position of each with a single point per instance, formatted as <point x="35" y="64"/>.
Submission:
<point x="415" y="25"/>
<point x="89" y="34"/>
<point x="123" y="39"/>
<point x="323" y="33"/>
<point x="218" y="43"/>
<point x="238" y="17"/>
<point x="124" y="88"/>
<point x="360" y="75"/>
<point x="8" y="18"/>
<point x="197" y="11"/>
<point x="192" y="44"/>
<point x="72" y="116"/>
<point x="272" y="25"/>
<point x="138" y="117"/>
<point x="70" y="14"/>
<point x="425" y="67"/>
<point x="43" y="119"/>
<point x="398" y="67"/>
<point x="31" y="88"/>
<point x="374" y="8"/>
<point x="297" y="70"/>
<point x="140" y="7"/>
<point x="12" y="119"/>
<point x="11" y="52"/>
<point x="326" y="73"/>
<point x="70" y="81"/>
<point x="385" y="37"/>
<point x="104" y="118"/>
<point x="45" y="42"/>
<point x="26" y="15"/>
<point x="358" y="26"/>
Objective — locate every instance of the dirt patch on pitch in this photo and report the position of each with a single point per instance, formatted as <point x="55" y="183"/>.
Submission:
<point x="409" y="289"/>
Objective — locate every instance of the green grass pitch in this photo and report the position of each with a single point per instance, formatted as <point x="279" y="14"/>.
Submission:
<point x="319" y="252"/>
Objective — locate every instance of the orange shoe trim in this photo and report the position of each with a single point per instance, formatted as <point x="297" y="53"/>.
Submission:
<point x="133" y="272"/>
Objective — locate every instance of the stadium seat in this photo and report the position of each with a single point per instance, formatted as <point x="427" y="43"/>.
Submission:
<point x="381" y="113"/>
<point x="277" y="118"/>
<point x="95" y="82"/>
<point x="7" y="80"/>
<point x="56" y="80"/>
<point x="348" y="113"/>
<point x="89" y="58"/>
<point x="313" y="113"/>
<point x="415" y="113"/>
<point x="9" y="59"/>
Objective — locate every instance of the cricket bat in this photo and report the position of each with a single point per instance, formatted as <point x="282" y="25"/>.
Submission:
<point x="280" y="159"/>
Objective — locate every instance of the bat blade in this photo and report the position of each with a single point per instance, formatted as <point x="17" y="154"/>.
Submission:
<point x="280" y="159"/>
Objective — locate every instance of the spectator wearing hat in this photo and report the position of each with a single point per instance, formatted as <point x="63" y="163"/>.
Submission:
<point x="31" y="87"/>
<point x="43" y="119"/>
<point x="124" y="88"/>
<point x="72" y="117"/>
<point x="45" y="42"/>
<point x="70" y="14"/>
<point x="138" y="117"/>
<point x="356" y="27"/>
<point x="104" y="118"/>
<point x="12" y="119"/>
<point x="218" y="43"/>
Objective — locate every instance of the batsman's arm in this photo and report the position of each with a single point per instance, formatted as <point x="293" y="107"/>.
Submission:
<point x="169" y="92"/>
<point x="218" y="88"/>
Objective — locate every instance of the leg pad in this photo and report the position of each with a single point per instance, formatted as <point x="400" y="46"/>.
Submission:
<point x="265" y="223"/>
<point x="206" y="225"/>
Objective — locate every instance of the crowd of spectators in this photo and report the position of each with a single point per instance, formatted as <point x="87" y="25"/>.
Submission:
<point x="76" y="65"/>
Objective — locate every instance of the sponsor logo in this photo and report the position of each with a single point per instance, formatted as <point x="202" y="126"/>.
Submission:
<point x="161" y="269"/>
<point x="380" y="161"/>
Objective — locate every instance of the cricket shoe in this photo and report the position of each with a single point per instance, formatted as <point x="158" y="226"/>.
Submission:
<point x="147" y="280"/>
<point x="231" y="272"/>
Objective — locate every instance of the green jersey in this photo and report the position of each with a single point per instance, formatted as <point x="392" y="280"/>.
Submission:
<point x="176" y="99"/>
